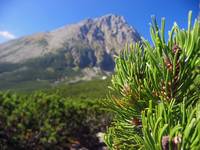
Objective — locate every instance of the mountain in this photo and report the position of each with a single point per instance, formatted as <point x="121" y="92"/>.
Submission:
<point x="83" y="49"/>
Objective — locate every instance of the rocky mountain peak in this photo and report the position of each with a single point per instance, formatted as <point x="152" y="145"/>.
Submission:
<point x="82" y="50"/>
<point x="91" y="42"/>
<point x="110" y="19"/>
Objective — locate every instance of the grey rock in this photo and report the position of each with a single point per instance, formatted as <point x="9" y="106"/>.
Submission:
<point x="91" y="42"/>
<point x="75" y="52"/>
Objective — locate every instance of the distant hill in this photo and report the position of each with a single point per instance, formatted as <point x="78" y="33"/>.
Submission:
<point x="79" y="51"/>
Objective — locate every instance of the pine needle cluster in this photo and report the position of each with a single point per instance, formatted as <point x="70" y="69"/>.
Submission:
<point x="158" y="86"/>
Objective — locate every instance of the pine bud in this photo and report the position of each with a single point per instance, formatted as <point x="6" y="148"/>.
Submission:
<point x="176" y="49"/>
<point x="165" y="142"/>
<point x="136" y="121"/>
<point x="168" y="64"/>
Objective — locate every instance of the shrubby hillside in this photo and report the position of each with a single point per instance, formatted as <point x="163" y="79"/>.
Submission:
<point x="63" y="117"/>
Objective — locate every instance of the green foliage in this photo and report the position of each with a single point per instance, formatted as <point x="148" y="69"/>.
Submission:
<point x="171" y="126"/>
<point x="46" y="121"/>
<point x="83" y="90"/>
<point x="93" y="89"/>
<point x="33" y="80"/>
<point x="166" y="75"/>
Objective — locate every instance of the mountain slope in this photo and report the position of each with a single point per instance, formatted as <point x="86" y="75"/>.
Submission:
<point x="67" y="51"/>
<point x="102" y="34"/>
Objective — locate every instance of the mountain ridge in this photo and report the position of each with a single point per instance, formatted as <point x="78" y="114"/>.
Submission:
<point x="86" y="31"/>
<point x="82" y="50"/>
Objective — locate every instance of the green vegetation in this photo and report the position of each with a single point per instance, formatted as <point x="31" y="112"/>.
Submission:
<point x="155" y="99"/>
<point x="46" y="121"/>
<point x="57" y="117"/>
<point x="158" y="107"/>
<point x="25" y="86"/>
<point x="94" y="89"/>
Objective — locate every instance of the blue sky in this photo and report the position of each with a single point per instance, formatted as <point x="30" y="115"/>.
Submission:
<point x="24" y="17"/>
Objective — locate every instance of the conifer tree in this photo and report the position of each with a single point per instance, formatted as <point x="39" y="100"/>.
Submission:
<point x="157" y="103"/>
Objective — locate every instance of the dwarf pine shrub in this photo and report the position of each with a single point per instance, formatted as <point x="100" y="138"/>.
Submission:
<point x="48" y="121"/>
<point x="158" y="86"/>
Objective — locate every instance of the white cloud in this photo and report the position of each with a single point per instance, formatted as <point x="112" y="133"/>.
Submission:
<point x="7" y="35"/>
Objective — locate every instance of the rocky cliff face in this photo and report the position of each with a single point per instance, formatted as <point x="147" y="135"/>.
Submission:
<point x="90" y="43"/>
